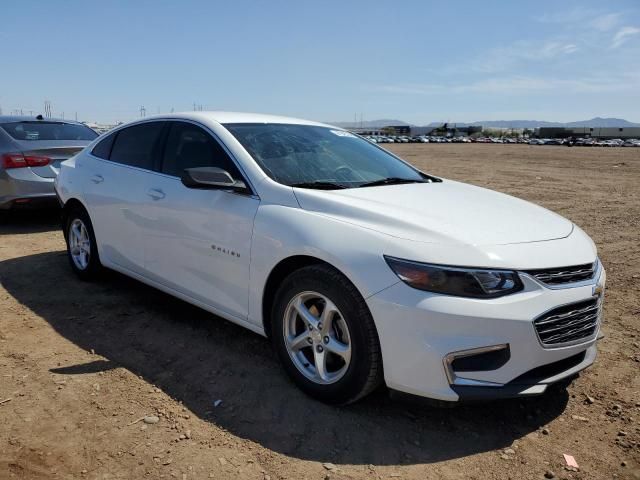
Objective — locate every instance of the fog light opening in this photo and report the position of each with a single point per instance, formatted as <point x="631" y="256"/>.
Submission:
<point x="481" y="359"/>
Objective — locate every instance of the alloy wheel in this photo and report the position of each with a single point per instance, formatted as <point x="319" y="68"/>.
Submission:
<point x="79" y="244"/>
<point x="317" y="337"/>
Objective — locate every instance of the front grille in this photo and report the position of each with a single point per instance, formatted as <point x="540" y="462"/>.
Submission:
<point x="569" y="323"/>
<point x="558" y="276"/>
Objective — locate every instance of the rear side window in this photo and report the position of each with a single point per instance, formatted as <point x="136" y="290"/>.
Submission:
<point x="103" y="148"/>
<point x="190" y="146"/>
<point x="48" y="131"/>
<point x="137" y="146"/>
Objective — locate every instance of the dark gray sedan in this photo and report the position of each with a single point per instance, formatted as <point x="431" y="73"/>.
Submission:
<point x="31" y="149"/>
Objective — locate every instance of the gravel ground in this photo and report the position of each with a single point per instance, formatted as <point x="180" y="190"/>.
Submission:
<point x="82" y="365"/>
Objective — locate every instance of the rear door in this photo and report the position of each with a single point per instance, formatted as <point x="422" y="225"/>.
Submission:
<point x="198" y="241"/>
<point x="117" y="189"/>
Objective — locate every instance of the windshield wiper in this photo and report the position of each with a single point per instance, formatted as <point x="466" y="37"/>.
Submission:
<point x="319" y="185"/>
<point x="391" y="181"/>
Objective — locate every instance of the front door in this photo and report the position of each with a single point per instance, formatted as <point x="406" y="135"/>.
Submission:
<point x="198" y="242"/>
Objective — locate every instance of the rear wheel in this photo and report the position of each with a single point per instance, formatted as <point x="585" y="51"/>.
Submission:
<point x="82" y="249"/>
<point x="325" y="337"/>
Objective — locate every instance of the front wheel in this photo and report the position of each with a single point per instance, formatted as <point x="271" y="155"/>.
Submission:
<point x="325" y="337"/>
<point x="82" y="249"/>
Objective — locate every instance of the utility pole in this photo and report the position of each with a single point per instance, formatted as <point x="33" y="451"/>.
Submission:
<point x="47" y="108"/>
<point x="143" y="111"/>
<point x="76" y="116"/>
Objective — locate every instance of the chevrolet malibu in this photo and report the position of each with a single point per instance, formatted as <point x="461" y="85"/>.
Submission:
<point x="31" y="150"/>
<point x="360" y="268"/>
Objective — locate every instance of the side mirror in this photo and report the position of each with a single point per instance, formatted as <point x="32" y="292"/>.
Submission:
<point x="211" y="178"/>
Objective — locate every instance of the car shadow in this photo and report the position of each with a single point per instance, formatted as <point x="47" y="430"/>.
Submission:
<point x="17" y="222"/>
<point x="198" y="358"/>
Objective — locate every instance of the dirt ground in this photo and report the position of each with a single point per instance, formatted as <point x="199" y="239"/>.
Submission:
<point x="81" y="364"/>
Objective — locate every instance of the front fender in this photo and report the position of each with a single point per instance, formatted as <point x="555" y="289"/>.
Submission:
<point x="282" y="232"/>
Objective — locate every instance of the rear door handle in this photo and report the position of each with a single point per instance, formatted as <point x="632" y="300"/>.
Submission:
<point x="97" y="179"/>
<point x="156" y="193"/>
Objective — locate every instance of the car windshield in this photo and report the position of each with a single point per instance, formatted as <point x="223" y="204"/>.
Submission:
<point x="48" y="131"/>
<point x="320" y="157"/>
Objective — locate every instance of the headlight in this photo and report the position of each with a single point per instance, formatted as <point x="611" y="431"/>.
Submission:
<point x="461" y="282"/>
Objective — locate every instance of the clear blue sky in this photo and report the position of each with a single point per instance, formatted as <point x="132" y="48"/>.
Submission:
<point x="417" y="61"/>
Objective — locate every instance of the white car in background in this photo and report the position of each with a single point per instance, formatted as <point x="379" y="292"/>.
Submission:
<point x="359" y="267"/>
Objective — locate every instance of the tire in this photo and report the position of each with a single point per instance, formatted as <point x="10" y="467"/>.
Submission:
<point x="79" y="220"/>
<point x="348" y="329"/>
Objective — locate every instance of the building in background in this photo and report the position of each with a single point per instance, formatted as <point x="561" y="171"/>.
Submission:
<point x="586" y="132"/>
<point x="101" y="127"/>
<point x="444" y="130"/>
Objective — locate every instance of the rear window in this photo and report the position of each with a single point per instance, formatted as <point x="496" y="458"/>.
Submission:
<point x="48" y="131"/>
<point x="103" y="148"/>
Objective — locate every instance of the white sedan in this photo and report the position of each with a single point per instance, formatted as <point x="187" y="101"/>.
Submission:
<point x="361" y="269"/>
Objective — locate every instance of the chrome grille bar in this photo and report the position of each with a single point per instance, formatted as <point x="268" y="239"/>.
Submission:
<point x="569" y="323"/>
<point x="576" y="333"/>
<point x="564" y="316"/>
<point x="561" y="275"/>
<point x="589" y="318"/>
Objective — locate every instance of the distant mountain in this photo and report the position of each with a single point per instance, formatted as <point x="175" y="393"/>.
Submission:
<point x="517" y="123"/>
<point x="604" y="122"/>
<point x="384" y="122"/>
<point x="594" y="122"/>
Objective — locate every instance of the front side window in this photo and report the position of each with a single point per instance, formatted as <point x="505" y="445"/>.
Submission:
<point x="42" y="130"/>
<point x="137" y="145"/>
<point x="299" y="155"/>
<point x="189" y="146"/>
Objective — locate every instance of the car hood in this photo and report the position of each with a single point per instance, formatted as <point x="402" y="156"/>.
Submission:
<point x="441" y="212"/>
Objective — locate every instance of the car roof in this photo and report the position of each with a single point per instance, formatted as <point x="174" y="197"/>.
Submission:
<point x="28" y="118"/>
<point x="238" y="117"/>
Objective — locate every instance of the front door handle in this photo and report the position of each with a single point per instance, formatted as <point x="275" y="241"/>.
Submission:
<point x="97" y="179"/>
<point x="156" y="193"/>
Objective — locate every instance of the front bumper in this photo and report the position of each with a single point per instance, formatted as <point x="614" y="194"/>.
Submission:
<point x="534" y="382"/>
<point x="419" y="331"/>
